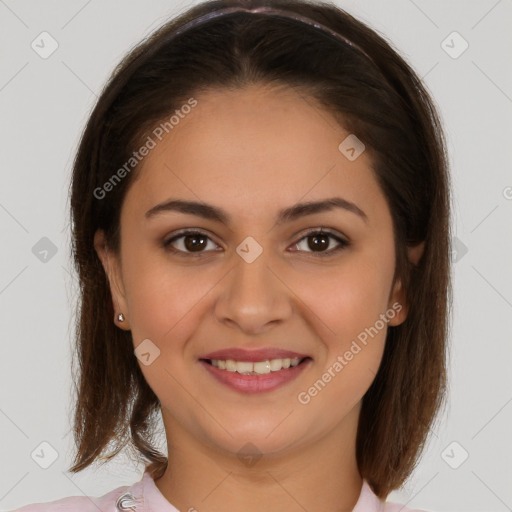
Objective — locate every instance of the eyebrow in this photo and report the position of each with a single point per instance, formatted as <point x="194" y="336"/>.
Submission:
<point x="292" y="213"/>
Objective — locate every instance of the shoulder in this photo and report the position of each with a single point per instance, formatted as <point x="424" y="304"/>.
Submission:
<point x="369" y="502"/>
<point x="143" y="494"/>
<point x="105" y="503"/>
<point x="398" y="507"/>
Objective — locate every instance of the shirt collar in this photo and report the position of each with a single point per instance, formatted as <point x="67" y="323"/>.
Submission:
<point x="147" y="494"/>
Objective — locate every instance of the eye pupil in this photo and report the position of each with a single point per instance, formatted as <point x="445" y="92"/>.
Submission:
<point x="192" y="244"/>
<point x="322" y="245"/>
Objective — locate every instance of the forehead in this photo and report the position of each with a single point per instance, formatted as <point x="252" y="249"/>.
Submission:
<point x="257" y="124"/>
<point x="254" y="147"/>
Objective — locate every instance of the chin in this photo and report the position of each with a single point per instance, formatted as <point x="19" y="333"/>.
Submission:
<point x="256" y="441"/>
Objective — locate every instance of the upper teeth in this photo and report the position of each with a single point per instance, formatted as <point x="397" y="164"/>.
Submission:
<point x="259" y="367"/>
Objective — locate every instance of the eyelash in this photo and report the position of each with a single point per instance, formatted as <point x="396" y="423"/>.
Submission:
<point x="322" y="254"/>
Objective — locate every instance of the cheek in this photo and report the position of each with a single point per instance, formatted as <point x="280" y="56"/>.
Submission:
<point x="165" y="302"/>
<point x="163" y="297"/>
<point x="349" y="301"/>
<point x="348" y="297"/>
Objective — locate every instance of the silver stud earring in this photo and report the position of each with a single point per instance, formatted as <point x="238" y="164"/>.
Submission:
<point x="120" y="317"/>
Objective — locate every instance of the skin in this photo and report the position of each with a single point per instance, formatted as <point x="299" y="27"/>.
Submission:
<point x="253" y="152"/>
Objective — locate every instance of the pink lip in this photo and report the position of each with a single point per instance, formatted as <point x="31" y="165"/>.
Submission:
<point x="256" y="383"/>
<point x="262" y="354"/>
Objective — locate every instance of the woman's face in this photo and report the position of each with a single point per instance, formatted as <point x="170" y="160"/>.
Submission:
<point x="258" y="279"/>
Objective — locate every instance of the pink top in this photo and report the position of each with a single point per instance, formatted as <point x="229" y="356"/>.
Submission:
<point x="144" y="496"/>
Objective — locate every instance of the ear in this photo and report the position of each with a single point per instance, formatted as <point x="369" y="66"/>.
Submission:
<point x="397" y="300"/>
<point x="112" y="266"/>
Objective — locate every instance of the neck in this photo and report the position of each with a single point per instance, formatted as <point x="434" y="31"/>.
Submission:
<point x="320" y="476"/>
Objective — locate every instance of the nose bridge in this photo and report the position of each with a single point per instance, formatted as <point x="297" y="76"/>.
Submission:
<point x="254" y="296"/>
<point x="250" y="275"/>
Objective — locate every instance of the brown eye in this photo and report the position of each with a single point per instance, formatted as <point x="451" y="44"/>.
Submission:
<point x="188" y="242"/>
<point x="194" y="243"/>
<point x="319" y="242"/>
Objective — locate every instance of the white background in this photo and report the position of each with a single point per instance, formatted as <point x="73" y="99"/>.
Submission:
<point x="44" y="104"/>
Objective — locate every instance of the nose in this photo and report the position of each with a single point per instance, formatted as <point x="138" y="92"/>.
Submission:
<point x="254" y="295"/>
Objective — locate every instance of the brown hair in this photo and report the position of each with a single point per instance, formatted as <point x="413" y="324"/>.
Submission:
<point x="382" y="101"/>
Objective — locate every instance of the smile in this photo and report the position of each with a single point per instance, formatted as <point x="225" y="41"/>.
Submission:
<point x="257" y="376"/>
<point x="255" y="368"/>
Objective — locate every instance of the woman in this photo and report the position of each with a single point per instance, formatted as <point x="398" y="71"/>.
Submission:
<point x="260" y="206"/>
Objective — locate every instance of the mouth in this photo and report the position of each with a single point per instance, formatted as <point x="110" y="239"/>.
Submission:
<point x="254" y="377"/>
<point x="258" y="370"/>
<point x="263" y="367"/>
